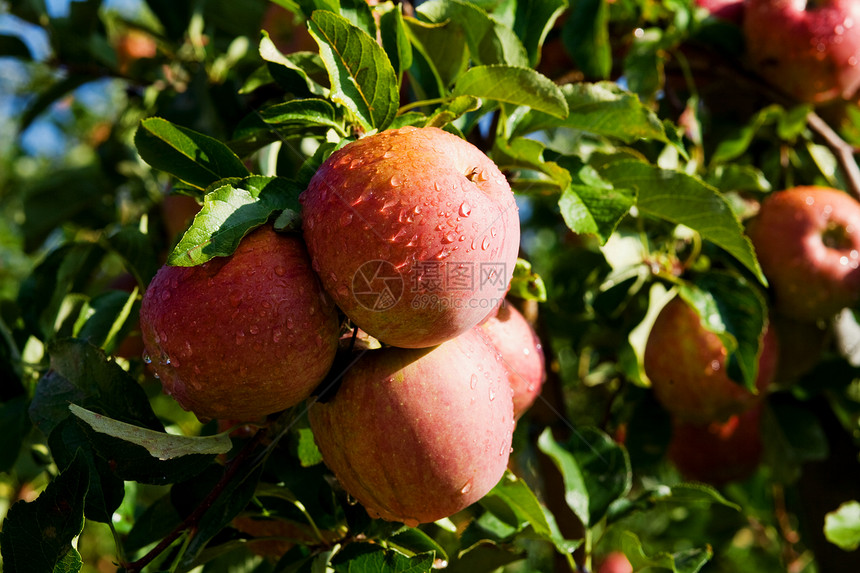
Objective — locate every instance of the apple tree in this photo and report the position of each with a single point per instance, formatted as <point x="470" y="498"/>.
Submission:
<point x="659" y="370"/>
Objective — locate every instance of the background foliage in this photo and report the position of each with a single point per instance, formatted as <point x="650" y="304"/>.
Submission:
<point x="638" y="143"/>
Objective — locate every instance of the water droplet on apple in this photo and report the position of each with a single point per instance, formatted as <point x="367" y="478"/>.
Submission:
<point x="465" y="209"/>
<point x="254" y="329"/>
<point x="277" y="334"/>
<point x="165" y="295"/>
<point x="449" y="238"/>
<point x="343" y="292"/>
<point x="395" y="180"/>
<point x="467" y="487"/>
<point x="235" y="298"/>
<point x="492" y="394"/>
<point x="485" y="243"/>
<point x="280" y="271"/>
<point x="526" y="351"/>
<point x="411" y="522"/>
<point x="355" y="163"/>
<point x="240" y="338"/>
<point x="345" y="219"/>
<point x="147" y="359"/>
<point x="715" y="365"/>
<point x="473" y="382"/>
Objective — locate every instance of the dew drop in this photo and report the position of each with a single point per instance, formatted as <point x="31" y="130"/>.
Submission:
<point x="449" y="238"/>
<point x="395" y="180"/>
<point x="343" y="292"/>
<point x="240" y="338"/>
<point x="147" y="359"/>
<point x="165" y="295"/>
<point x="280" y="271"/>
<point x="235" y="298"/>
<point x="493" y="231"/>
<point x="474" y="381"/>
<point x="411" y="522"/>
<point x="345" y="219"/>
<point x="254" y="329"/>
<point x="485" y="243"/>
<point x="467" y="487"/>
<point x="277" y="334"/>
<point x="492" y="394"/>
<point x="465" y="209"/>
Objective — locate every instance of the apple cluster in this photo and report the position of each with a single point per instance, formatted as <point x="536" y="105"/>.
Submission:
<point x="412" y="234"/>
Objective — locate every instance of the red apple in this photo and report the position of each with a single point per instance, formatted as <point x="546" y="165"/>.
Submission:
<point x="243" y="336"/>
<point x="522" y="354"/>
<point x="719" y="452"/>
<point x="808" y="49"/>
<point x="414" y="232"/>
<point x="731" y="10"/>
<point x="808" y="243"/>
<point x="687" y="367"/>
<point x="615" y="562"/>
<point x="416" y="435"/>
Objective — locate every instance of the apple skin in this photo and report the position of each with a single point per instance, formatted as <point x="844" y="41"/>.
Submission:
<point x="808" y="50"/>
<point x="808" y="243"/>
<point x="615" y="562"/>
<point x="719" y="452"/>
<point x="687" y="367"/>
<point x="243" y="336"/>
<point x="730" y="10"/>
<point x="522" y="354"/>
<point x="416" y="435"/>
<point x="418" y="204"/>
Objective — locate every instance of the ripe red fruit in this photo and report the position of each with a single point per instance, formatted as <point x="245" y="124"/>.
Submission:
<point x="808" y="243"/>
<point x="731" y="10"/>
<point x="414" y="233"/>
<point x="810" y="50"/>
<point x="615" y="562"/>
<point x="416" y="435"/>
<point x="522" y="354"/>
<point x="719" y="452"/>
<point x="687" y="367"/>
<point x="243" y="336"/>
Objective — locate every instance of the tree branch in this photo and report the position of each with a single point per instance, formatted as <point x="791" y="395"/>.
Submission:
<point x="843" y="151"/>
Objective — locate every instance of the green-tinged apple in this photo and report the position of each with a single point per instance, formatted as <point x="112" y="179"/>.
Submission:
<point x="719" y="452"/>
<point x="243" y="336"/>
<point x="522" y="354"/>
<point x="416" y="435"/>
<point x="414" y="232"/>
<point x="688" y="371"/>
<point x="808" y="243"/>
<point x="615" y="562"/>
<point x="809" y="49"/>
<point x="731" y="10"/>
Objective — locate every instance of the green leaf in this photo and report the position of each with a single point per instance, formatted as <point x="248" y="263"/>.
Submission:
<point x="441" y="55"/>
<point x="196" y="159"/>
<point x="489" y="41"/>
<point x="687" y="561"/>
<point x="371" y="558"/>
<point x="414" y="541"/>
<point x="307" y="450"/>
<point x="362" y="78"/>
<point x="514" y="85"/>
<point x="520" y="503"/>
<point x="586" y="37"/>
<point x="595" y="209"/>
<point x="595" y="469"/>
<point x="160" y="445"/>
<point x="37" y="536"/>
<point x="14" y="426"/>
<point x="13" y="46"/>
<point x="683" y="199"/>
<point x="230" y="212"/>
<point x="395" y="40"/>
<point x="602" y="108"/>
<point x="309" y="112"/>
<point x="293" y="72"/>
<point x="842" y="526"/>
<point x="735" y="311"/>
<point x="524" y="153"/>
<point x="532" y="22"/>
<point x="527" y="284"/>
<point x="741" y="138"/>
<point x="452" y="110"/>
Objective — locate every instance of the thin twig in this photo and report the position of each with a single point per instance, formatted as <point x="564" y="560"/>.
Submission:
<point x="842" y="149"/>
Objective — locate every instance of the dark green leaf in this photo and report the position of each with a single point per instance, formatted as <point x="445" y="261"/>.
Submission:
<point x="414" y="541"/>
<point x="293" y="72"/>
<point x="595" y="209"/>
<point x="13" y="46"/>
<point x="308" y="453"/>
<point x="735" y="311"/>
<point x="371" y="558"/>
<point x="229" y="213"/>
<point x="395" y="40"/>
<point x="453" y="110"/>
<point x="196" y="159"/>
<point x="595" y="469"/>
<point x="137" y="250"/>
<point x="490" y="41"/>
<point x="362" y="78"/>
<point x="514" y="85"/>
<point x="687" y="561"/>
<point x="105" y="316"/>
<point x="586" y="37"/>
<point x="37" y="536"/>
<point x="441" y="55"/>
<point x="14" y="426"/>
<point x="533" y="21"/>
<point x="686" y="200"/>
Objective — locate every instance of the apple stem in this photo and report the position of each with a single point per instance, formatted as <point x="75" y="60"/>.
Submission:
<point x="843" y="151"/>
